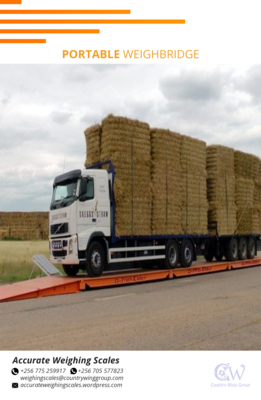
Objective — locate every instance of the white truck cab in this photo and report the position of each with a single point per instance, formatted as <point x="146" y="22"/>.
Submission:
<point x="80" y="210"/>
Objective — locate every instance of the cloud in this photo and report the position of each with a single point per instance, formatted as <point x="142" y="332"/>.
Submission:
<point x="250" y="83"/>
<point x="44" y="110"/>
<point x="61" y="117"/>
<point x="193" y="86"/>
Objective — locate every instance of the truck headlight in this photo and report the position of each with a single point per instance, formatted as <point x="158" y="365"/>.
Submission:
<point x="70" y="246"/>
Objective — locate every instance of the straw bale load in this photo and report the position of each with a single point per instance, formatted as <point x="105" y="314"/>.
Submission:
<point x="221" y="189"/>
<point x="166" y="182"/>
<point x="194" y="217"/>
<point x="247" y="172"/>
<point x="126" y="143"/>
<point x="93" y="144"/>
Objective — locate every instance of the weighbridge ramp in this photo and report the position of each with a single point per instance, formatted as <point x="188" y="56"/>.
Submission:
<point x="55" y="283"/>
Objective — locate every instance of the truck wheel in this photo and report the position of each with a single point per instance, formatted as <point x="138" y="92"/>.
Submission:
<point x="172" y="255"/>
<point x="242" y="249"/>
<point x="71" y="270"/>
<point x="232" y="250"/>
<point x="95" y="260"/>
<point x="186" y="256"/>
<point x="251" y="248"/>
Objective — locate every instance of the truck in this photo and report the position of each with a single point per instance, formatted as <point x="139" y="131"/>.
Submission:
<point x="82" y="231"/>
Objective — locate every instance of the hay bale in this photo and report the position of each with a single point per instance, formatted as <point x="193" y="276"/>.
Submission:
<point x="166" y="182"/>
<point x="244" y="193"/>
<point x="225" y="217"/>
<point x="26" y="225"/>
<point x="194" y="186"/>
<point x="256" y="219"/>
<point x="93" y="144"/>
<point x="193" y="155"/>
<point x="248" y="193"/>
<point x="4" y="233"/>
<point x="245" y="221"/>
<point x="246" y="165"/>
<point x="221" y="189"/>
<point x="126" y="143"/>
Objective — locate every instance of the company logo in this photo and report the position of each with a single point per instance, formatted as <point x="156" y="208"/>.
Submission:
<point x="223" y="372"/>
<point x="229" y="376"/>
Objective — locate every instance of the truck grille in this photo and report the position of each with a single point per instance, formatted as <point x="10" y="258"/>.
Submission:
<point x="55" y="230"/>
<point x="60" y="254"/>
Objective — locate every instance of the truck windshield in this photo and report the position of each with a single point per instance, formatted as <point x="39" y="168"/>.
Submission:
<point x="64" y="194"/>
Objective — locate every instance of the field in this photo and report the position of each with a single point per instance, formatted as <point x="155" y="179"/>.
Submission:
<point x="16" y="259"/>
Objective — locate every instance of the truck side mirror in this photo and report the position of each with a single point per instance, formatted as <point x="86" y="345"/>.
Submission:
<point x="83" y="187"/>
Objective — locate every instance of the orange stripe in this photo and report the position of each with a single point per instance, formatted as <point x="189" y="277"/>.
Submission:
<point x="92" y="21"/>
<point x="22" y="40"/>
<point x="10" y="1"/>
<point x="65" y="11"/>
<point x="49" y="31"/>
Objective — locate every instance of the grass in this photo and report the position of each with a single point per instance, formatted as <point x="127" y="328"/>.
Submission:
<point x="16" y="259"/>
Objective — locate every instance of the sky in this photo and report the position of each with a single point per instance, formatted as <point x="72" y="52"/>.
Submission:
<point x="44" y="110"/>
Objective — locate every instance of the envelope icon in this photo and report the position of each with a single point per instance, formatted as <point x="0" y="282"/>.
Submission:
<point x="14" y="385"/>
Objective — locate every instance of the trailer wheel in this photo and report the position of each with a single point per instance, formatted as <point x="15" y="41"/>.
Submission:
<point x="71" y="270"/>
<point x="172" y="255"/>
<point x="251" y="248"/>
<point x="242" y="249"/>
<point x="95" y="260"/>
<point x="232" y="250"/>
<point x="186" y="256"/>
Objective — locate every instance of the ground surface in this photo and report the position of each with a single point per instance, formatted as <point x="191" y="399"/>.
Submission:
<point x="220" y="311"/>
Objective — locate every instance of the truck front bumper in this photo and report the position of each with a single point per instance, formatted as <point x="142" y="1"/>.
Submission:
<point x="64" y="250"/>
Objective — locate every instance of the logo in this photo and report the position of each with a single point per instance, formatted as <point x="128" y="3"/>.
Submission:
<point x="15" y="371"/>
<point x="223" y="372"/>
<point x="229" y="376"/>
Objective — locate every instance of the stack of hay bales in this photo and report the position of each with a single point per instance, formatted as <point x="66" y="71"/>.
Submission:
<point x="194" y="186"/>
<point x="221" y="189"/>
<point x="247" y="172"/>
<point x="257" y="201"/>
<point x="166" y="182"/>
<point x="24" y="225"/>
<point x="126" y="143"/>
<point x="93" y="144"/>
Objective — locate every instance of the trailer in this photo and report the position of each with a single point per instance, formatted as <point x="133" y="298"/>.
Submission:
<point x="82" y="231"/>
